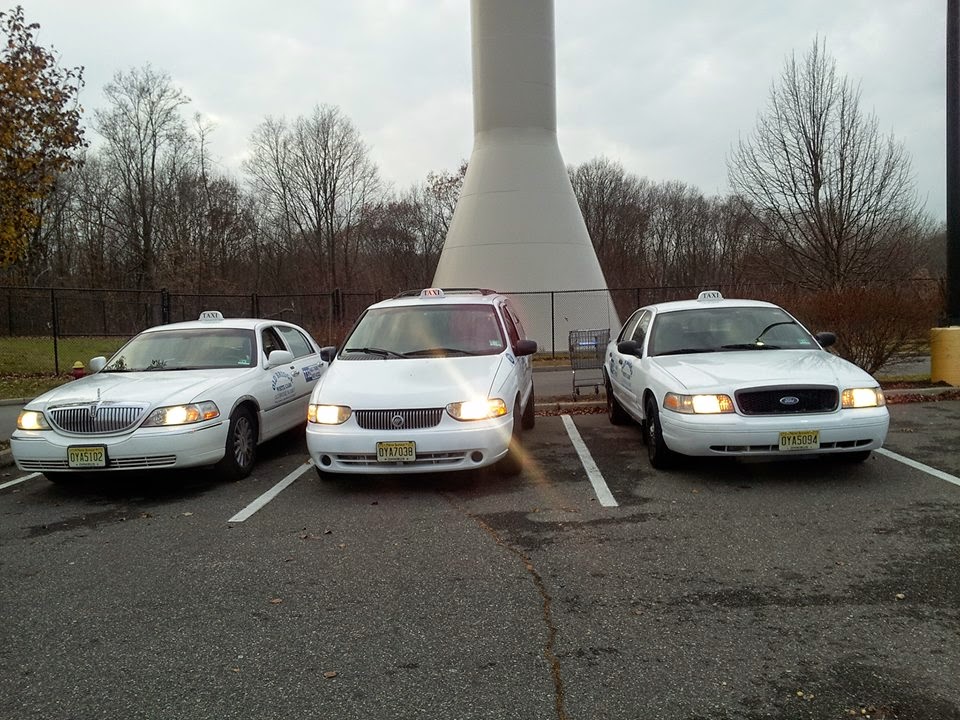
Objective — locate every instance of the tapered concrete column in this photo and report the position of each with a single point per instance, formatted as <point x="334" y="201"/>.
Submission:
<point x="517" y="226"/>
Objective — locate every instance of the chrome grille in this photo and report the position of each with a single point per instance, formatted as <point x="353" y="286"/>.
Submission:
<point x="788" y="400"/>
<point x="95" y="419"/>
<point x="398" y="419"/>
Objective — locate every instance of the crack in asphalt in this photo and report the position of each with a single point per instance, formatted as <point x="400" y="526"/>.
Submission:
<point x="549" y="651"/>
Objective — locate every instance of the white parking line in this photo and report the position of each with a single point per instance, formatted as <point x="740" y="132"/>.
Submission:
<point x="19" y="480"/>
<point x="593" y="472"/>
<point x="270" y="494"/>
<point x="920" y="466"/>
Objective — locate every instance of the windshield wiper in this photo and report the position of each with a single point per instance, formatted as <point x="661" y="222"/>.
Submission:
<point x="750" y="346"/>
<point x="439" y="351"/>
<point x="376" y="351"/>
<point x="686" y="351"/>
<point x="771" y="326"/>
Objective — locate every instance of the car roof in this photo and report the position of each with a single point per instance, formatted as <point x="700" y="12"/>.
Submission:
<point x="214" y="321"/>
<point x="706" y="300"/>
<point x="441" y="296"/>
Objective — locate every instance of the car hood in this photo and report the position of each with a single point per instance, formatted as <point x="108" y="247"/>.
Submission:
<point x="151" y="388"/>
<point x="414" y="382"/>
<point x="753" y="368"/>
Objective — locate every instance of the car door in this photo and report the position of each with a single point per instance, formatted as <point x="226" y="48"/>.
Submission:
<point x="285" y="389"/>
<point x="516" y="333"/>
<point x="623" y="368"/>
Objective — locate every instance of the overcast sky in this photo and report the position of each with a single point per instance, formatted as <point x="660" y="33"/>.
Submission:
<point x="665" y="88"/>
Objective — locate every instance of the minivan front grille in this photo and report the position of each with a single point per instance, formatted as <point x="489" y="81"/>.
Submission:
<point x="399" y="419"/>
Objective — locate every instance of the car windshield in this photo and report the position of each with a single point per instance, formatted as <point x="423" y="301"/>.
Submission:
<point x="724" y="329"/>
<point x="426" y="331"/>
<point x="193" y="349"/>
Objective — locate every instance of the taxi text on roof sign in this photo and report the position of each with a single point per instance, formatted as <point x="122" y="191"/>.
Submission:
<point x="211" y="316"/>
<point x="431" y="292"/>
<point x="709" y="296"/>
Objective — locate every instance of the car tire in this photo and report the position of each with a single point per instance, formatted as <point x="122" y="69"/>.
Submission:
<point x="615" y="411"/>
<point x="241" y="449"/>
<point x="512" y="463"/>
<point x="325" y="476"/>
<point x="661" y="457"/>
<point x="529" y="413"/>
<point x="62" y="478"/>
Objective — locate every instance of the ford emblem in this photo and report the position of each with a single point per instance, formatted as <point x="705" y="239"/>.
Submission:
<point x="789" y="400"/>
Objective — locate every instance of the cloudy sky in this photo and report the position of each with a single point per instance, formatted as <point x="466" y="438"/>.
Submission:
<point x="665" y="88"/>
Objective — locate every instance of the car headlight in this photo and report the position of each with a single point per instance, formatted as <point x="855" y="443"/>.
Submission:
<point x="477" y="409"/>
<point x="31" y="420"/>
<point x="698" y="404"/>
<point x="328" y="414"/>
<point x="182" y="414"/>
<point x="862" y="397"/>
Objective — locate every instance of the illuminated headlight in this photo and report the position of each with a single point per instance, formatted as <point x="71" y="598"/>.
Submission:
<point x="862" y="397"/>
<point x="698" y="404"/>
<point x="182" y="414"/>
<point x="31" y="420"/>
<point x="328" y="414"/>
<point x="477" y="409"/>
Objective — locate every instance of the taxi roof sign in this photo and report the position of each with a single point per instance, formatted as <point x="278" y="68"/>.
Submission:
<point x="431" y="292"/>
<point x="211" y="316"/>
<point x="709" y="296"/>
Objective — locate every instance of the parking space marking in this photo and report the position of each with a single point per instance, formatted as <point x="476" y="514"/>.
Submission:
<point x="593" y="472"/>
<point x="19" y="480"/>
<point x="920" y="466"/>
<point x="270" y="494"/>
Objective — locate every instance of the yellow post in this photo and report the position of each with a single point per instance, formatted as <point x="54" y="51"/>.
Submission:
<point x="945" y="355"/>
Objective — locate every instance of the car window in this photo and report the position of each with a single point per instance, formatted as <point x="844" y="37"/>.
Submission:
<point x="512" y="331"/>
<point x="640" y="331"/>
<point x="629" y="326"/>
<point x="724" y="329"/>
<point x="521" y="331"/>
<point x="423" y="330"/>
<point x="297" y="343"/>
<point x="185" y="349"/>
<point x="271" y="341"/>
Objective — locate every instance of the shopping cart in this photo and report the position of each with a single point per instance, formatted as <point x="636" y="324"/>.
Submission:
<point x="587" y="348"/>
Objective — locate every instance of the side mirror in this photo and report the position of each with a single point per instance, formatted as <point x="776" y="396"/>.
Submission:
<point x="328" y="353"/>
<point x="826" y="339"/>
<point x="525" y="347"/>
<point x="279" y="357"/>
<point x="96" y="364"/>
<point x="629" y="347"/>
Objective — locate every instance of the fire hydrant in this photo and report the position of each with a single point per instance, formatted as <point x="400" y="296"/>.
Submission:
<point x="78" y="370"/>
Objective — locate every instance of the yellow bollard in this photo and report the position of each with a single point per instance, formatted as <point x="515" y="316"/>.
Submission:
<point x="945" y="355"/>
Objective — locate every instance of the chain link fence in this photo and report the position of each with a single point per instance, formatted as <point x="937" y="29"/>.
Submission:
<point x="47" y="331"/>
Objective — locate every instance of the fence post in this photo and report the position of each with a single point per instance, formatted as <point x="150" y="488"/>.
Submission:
<point x="54" y="323"/>
<point x="164" y="307"/>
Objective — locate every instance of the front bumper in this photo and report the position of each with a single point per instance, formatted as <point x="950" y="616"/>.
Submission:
<point x="738" y="435"/>
<point x="46" y="450"/>
<point x="450" y="446"/>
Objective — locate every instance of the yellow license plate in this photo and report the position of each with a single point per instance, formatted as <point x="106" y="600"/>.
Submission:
<point x="396" y="452"/>
<point x="800" y="440"/>
<point x="94" y="456"/>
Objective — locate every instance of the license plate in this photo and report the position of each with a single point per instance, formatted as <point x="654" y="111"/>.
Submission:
<point x="94" y="456"/>
<point x="800" y="440"/>
<point x="396" y="451"/>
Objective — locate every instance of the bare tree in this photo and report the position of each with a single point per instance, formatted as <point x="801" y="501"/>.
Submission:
<point x="834" y="198"/>
<point x="320" y="182"/>
<point x="146" y="146"/>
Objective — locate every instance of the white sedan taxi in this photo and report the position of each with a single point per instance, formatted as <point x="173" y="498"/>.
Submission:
<point x="188" y="394"/>
<point x="738" y="378"/>
<point x="429" y="381"/>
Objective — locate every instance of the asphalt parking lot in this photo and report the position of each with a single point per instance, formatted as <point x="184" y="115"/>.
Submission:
<point x="591" y="586"/>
